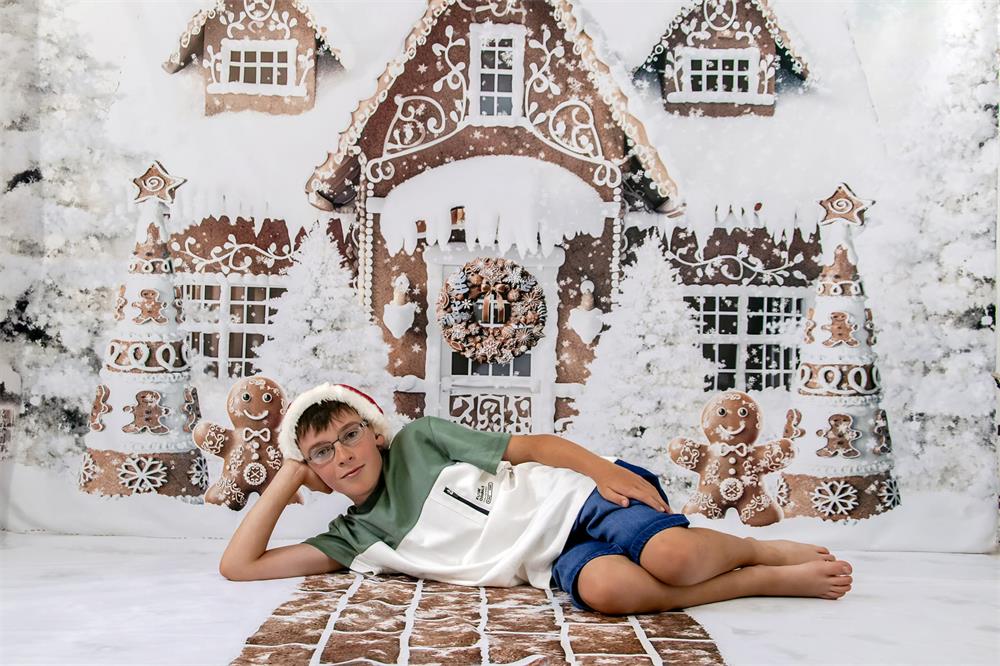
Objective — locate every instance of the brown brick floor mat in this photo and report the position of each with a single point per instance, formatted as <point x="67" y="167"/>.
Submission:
<point x="346" y="618"/>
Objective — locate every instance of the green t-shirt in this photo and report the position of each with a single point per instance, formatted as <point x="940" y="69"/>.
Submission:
<point x="447" y="507"/>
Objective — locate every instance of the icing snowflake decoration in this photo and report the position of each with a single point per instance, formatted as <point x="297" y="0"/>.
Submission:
<point x="141" y="474"/>
<point x="782" y="491"/>
<point x="834" y="498"/>
<point x="88" y="469"/>
<point x="198" y="472"/>
<point x="888" y="493"/>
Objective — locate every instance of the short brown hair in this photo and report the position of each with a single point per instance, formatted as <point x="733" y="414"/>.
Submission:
<point x="320" y="415"/>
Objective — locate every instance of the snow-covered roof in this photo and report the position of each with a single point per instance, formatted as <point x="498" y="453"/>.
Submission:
<point x="254" y="163"/>
<point x="244" y="163"/>
<point x="776" y="27"/>
<point x="553" y="204"/>
<point x="822" y="133"/>
<point x="612" y="78"/>
<point x="190" y="42"/>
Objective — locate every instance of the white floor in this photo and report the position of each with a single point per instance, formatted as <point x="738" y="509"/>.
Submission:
<point x="127" y="600"/>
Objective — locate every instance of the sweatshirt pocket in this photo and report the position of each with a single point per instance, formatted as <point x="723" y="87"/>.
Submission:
<point x="458" y="498"/>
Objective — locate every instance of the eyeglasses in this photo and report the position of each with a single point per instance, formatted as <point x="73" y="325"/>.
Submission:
<point x="349" y="437"/>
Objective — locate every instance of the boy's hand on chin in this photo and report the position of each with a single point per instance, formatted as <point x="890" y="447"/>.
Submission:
<point x="307" y="477"/>
<point x="617" y="484"/>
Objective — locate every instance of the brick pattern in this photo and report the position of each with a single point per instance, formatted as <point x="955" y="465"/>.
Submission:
<point x="348" y="618"/>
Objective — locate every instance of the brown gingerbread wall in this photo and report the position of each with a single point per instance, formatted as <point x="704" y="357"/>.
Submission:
<point x="790" y="264"/>
<point x="216" y="31"/>
<point x="408" y="355"/>
<point x="590" y="257"/>
<point x="426" y="68"/>
<point x="730" y="38"/>
<point x="268" y="252"/>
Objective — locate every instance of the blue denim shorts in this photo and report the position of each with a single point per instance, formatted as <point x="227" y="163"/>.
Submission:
<point x="606" y="528"/>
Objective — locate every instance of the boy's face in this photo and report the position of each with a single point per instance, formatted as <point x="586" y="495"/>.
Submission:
<point x="363" y="461"/>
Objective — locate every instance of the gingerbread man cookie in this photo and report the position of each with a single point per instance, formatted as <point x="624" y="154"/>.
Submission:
<point x="178" y="305"/>
<point x="841" y="330"/>
<point x="146" y="414"/>
<point x="792" y="421"/>
<point x="191" y="408"/>
<point x="839" y="436"/>
<point x="100" y="408"/>
<point x="120" y="303"/>
<point x="881" y="432"/>
<point x="870" y="327"/>
<point x="250" y="449"/>
<point x="150" y="308"/>
<point x="810" y="326"/>
<point x="731" y="465"/>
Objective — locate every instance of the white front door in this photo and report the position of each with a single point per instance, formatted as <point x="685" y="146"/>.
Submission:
<point x="515" y="397"/>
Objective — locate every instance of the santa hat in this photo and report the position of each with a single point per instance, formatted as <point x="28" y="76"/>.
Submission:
<point x="362" y="403"/>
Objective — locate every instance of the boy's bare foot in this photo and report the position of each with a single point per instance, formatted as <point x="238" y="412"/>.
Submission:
<point x="779" y="552"/>
<point x="825" y="580"/>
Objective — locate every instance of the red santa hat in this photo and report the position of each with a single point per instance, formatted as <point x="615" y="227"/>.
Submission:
<point x="361" y="402"/>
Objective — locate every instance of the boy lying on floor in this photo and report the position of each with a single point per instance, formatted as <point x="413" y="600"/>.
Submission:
<point x="448" y="503"/>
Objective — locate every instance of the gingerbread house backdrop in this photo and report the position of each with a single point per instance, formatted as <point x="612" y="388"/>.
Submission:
<point x="554" y="135"/>
<point x="487" y="93"/>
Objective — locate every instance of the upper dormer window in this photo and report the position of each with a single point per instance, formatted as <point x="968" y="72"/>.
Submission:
<point x="720" y="75"/>
<point x="261" y="67"/>
<point x="497" y="73"/>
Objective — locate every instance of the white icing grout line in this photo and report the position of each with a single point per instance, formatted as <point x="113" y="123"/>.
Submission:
<point x="411" y="614"/>
<point x="644" y="640"/>
<point x="483" y="643"/>
<point x="334" y="616"/>
<point x="563" y="627"/>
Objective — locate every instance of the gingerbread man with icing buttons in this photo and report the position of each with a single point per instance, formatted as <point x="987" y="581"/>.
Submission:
<point x="250" y="449"/>
<point x="150" y="308"/>
<point x="146" y="414"/>
<point x="730" y="465"/>
<point x="839" y="437"/>
<point x="841" y="330"/>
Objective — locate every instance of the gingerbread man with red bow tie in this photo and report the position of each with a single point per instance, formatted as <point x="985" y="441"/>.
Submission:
<point x="731" y="465"/>
<point x="249" y="450"/>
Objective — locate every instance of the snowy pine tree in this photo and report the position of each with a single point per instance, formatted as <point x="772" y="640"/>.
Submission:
<point x="647" y="380"/>
<point x="932" y="254"/>
<point x="322" y="333"/>
<point x="59" y="179"/>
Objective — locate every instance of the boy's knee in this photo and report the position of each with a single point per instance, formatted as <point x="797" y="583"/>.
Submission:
<point x="602" y="596"/>
<point x="673" y="557"/>
<point x="600" y="591"/>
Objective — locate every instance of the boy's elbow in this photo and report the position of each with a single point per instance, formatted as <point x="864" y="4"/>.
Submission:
<point x="234" y="572"/>
<point x="519" y="449"/>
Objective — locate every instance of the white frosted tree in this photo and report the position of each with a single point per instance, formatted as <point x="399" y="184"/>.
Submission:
<point x="647" y="379"/>
<point x="321" y="330"/>
<point x="60" y="178"/>
<point x="931" y="252"/>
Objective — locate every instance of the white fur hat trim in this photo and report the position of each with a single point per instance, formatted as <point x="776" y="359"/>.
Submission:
<point x="362" y="403"/>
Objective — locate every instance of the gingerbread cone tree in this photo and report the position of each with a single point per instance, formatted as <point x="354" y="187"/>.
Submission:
<point x="843" y="469"/>
<point x="145" y="408"/>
